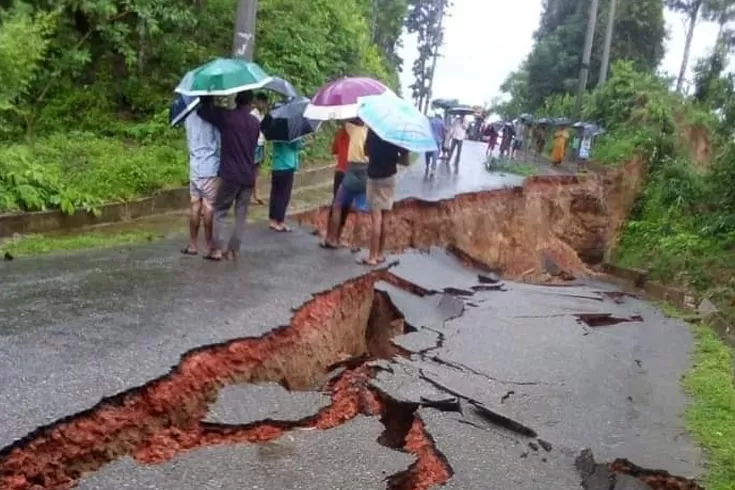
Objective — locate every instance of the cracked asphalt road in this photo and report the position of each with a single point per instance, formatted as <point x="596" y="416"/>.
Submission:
<point x="80" y="327"/>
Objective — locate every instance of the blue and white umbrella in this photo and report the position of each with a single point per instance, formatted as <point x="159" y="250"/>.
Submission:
<point x="397" y="121"/>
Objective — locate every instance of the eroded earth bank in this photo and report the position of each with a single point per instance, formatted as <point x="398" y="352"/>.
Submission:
<point x="485" y="355"/>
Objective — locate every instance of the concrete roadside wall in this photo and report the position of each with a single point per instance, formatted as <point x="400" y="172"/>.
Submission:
<point x="162" y="202"/>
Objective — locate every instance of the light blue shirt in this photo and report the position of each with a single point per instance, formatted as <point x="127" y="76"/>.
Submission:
<point x="203" y="140"/>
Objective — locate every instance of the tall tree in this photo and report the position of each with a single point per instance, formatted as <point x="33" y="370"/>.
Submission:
<point x="552" y="66"/>
<point x="425" y="19"/>
<point x="691" y="10"/>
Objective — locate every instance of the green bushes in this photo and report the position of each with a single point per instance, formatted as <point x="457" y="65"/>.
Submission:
<point x="81" y="171"/>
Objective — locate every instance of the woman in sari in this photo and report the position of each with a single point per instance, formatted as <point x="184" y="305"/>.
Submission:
<point x="560" y="145"/>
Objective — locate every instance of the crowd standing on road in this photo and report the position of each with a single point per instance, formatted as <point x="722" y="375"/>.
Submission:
<point x="227" y="148"/>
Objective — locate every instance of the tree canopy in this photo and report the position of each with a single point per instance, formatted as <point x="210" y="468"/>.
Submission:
<point x="552" y="66"/>
<point x="92" y="64"/>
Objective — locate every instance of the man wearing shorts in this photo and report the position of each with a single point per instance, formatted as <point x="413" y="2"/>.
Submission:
<point x="520" y="130"/>
<point x="383" y="158"/>
<point x="203" y="141"/>
<point x="353" y="183"/>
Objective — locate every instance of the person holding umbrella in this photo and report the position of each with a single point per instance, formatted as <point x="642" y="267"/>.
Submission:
<point x="438" y="129"/>
<point x="239" y="131"/>
<point x="203" y="141"/>
<point x="396" y="127"/>
<point x="286" y="128"/>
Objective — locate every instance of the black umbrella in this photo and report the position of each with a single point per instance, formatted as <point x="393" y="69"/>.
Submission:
<point x="181" y="107"/>
<point x="283" y="87"/>
<point x="461" y="109"/>
<point x="287" y="122"/>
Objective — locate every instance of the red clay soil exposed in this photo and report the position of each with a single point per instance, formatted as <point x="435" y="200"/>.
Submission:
<point x="547" y="228"/>
<point x="656" y="479"/>
<point x="155" y="422"/>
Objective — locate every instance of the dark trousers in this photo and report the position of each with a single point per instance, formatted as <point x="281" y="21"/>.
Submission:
<point x="281" y="187"/>
<point x="227" y="193"/>
<point x="338" y="176"/>
<point x="455" y="146"/>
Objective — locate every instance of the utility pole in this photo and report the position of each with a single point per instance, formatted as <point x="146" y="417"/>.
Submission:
<point x="430" y="90"/>
<point x="243" y="43"/>
<point x="604" y="67"/>
<point x="584" y="71"/>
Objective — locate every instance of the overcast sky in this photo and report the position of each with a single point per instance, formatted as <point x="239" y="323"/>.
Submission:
<point x="486" y="39"/>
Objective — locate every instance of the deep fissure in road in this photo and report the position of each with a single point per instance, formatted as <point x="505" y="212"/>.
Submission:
<point x="540" y="232"/>
<point x="338" y="330"/>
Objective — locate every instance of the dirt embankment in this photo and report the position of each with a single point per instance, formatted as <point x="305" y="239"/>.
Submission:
<point x="552" y="226"/>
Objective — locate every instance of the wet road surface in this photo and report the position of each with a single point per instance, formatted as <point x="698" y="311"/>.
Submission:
<point x="80" y="327"/>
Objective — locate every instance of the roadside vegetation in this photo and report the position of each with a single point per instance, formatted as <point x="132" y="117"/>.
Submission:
<point x="86" y="86"/>
<point x="682" y="227"/>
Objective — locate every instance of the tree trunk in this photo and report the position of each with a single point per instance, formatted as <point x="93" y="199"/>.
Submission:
<point x="687" y="47"/>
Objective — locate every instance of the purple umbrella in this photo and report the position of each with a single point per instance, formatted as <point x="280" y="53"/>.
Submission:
<point x="338" y="99"/>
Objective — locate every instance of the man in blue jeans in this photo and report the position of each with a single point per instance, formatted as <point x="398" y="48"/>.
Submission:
<point x="439" y="131"/>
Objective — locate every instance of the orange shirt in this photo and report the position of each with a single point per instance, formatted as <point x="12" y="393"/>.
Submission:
<point x="341" y="148"/>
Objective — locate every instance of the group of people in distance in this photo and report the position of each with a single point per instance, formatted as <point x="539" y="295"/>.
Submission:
<point x="365" y="179"/>
<point x="448" y="143"/>
<point x="531" y="140"/>
<point x="226" y="150"/>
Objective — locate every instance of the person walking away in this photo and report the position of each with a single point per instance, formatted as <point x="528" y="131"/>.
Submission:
<point x="383" y="159"/>
<point x="239" y="131"/>
<point x="506" y="140"/>
<point x="354" y="183"/>
<point x="540" y="141"/>
<point x="561" y="136"/>
<point x="519" y="130"/>
<point x="458" y="133"/>
<point x="285" y="164"/>
<point x="260" y="109"/>
<point x="438" y="130"/>
<point x="203" y="141"/>
<point x="584" y="151"/>
<point x="492" y="139"/>
<point x="340" y="149"/>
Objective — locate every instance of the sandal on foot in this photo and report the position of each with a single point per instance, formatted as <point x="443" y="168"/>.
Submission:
<point x="328" y="246"/>
<point x="213" y="258"/>
<point x="188" y="251"/>
<point x="365" y="261"/>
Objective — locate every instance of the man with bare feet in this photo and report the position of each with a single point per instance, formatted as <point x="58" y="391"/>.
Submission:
<point x="353" y="183"/>
<point x="203" y="141"/>
<point x="239" y="131"/>
<point x="383" y="158"/>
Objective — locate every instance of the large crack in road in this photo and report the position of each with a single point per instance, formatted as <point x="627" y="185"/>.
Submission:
<point x="332" y="343"/>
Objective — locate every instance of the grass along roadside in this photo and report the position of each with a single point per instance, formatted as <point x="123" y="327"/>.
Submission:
<point x="144" y="230"/>
<point x="512" y="167"/>
<point x="710" y="384"/>
<point x="711" y="416"/>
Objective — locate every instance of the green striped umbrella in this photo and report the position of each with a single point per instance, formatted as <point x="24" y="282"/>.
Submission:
<point x="223" y="76"/>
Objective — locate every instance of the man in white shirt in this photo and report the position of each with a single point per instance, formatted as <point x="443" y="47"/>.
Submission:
<point x="260" y="109"/>
<point x="457" y="133"/>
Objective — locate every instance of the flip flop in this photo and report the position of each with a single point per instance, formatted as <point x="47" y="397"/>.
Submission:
<point x="328" y="246"/>
<point x="187" y="251"/>
<point x="212" y="258"/>
<point x="285" y="229"/>
<point x="364" y="261"/>
<point x="258" y="202"/>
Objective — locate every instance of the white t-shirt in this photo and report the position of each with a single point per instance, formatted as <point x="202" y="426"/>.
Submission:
<point x="520" y="130"/>
<point x="261" y="138"/>
<point x="459" y="130"/>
